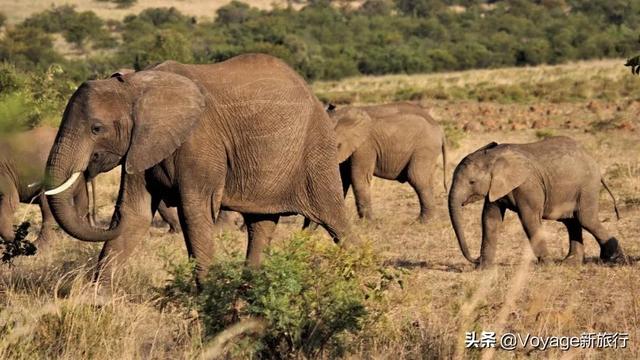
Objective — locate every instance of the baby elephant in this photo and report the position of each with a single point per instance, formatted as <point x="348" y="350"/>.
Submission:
<point x="396" y="142"/>
<point x="552" y="179"/>
<point x="22" y="162"/>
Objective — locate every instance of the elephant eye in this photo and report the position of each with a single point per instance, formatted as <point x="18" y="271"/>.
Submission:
<point x="97" y="128"/>
<point x="471" y="182"/>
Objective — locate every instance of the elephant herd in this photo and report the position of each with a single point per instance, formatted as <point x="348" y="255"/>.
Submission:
<point x="248" y="135"/>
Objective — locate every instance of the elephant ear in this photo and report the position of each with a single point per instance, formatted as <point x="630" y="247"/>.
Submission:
<point x="167" y="109"/>
<point x="352" y="129"/>
<point x="508" y="172"/>
<point x="489" y="146"/>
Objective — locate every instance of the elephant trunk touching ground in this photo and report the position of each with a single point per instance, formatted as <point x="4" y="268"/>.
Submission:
<point x="62" y="173"/>
<point x="456" y="200"/>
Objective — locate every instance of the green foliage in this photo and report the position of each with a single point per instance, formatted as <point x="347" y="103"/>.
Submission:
<point x="310" y="293"/>
<point x="76" y="27"/>
<point x="326" y="42"/>
<point x="27" y="100"/>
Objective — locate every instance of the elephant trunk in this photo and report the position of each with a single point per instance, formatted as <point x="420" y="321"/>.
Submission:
<point x="62" y="182"/>
<point x="455" y="209"/>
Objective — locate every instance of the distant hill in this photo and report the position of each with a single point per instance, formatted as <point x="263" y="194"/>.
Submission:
<point x="18" y="10"/>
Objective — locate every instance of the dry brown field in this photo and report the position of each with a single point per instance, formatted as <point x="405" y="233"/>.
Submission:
<point x="49" y="301"/>
<point x="18" y="10"/>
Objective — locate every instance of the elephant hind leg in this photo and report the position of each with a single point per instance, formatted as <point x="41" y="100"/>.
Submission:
<point x="576" y="246"/>
<point x="260" y="230"/>
<point x="420" y="177"/>
<point x="610" y="249"/>
<point x="170" y="216"/>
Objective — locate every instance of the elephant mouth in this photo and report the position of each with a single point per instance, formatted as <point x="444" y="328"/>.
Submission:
<point x="472" y="199"/>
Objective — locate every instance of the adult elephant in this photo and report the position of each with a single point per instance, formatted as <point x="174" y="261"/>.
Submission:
<point x="246" y="134"/>
<point x="23" y="157"/>
<point x="553" y="179"/>
<point x="398" y="141"/>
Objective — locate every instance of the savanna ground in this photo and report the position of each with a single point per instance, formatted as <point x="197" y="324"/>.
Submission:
<point x="49" y="301"/>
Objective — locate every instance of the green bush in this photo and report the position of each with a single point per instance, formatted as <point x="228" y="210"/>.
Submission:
<point x="28" y="100"/>
<point x="76" y="27"/>
<point x="322" y="41"/>
<point x="311" y="294"/>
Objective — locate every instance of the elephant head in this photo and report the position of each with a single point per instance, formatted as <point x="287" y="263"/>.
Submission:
<point x="135" y="120"/>
<point x="489" y="173"/>
<point x="352" y="127"/>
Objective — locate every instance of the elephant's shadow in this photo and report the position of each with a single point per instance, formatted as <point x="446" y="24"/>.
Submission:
<point x="429" y="265"/>
<point x="631" y="260"/>
<point x="462" y="268"/>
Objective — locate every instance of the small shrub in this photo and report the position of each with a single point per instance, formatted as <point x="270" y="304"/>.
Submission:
<point x="309" y="292"/>
<point x="10" y="79"/>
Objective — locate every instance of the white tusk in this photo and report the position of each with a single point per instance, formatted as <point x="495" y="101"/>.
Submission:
<point x="67" y="184"/>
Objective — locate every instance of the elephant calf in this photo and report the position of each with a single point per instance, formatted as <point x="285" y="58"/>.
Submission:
<point x="397" y="141"/>
<point x="552" y="179"/>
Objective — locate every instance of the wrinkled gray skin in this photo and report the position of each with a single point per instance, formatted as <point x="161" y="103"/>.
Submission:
<point x="398" y="141"/>
<point x="228" y="220"/>
<point x="552" y="179"/>
<point x="23" y="157"/>
<point x="246" y="134"/>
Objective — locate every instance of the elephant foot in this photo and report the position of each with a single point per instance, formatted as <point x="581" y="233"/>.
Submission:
<point x="573" y="259"/>
<point x="423" y="219"/>
<point x="43" y="244"/>
<point x="611" y="252"/>
<point x="175" y="230"/>
<point x="544" y="260"/>
<point x="485" y="265"/>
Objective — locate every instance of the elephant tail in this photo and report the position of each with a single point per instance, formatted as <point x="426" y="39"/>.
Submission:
<point x="615" y="204"/>
<point x="444" y="163"/>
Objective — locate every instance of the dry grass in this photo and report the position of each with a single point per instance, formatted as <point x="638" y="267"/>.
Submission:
<point x="582" y="80"/>
<point x="18" y="10"/>
<point x="51" y="307"/>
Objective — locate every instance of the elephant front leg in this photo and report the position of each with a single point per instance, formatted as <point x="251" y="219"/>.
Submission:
<point x="6" y="221"/>
<point x="8" y="203"/>
<point x="492" y="217"/>
<point x="134" y="210"/>
<point x="199" y="230"/>
<point x="576" y="247"/>
<point x="532" y="223"/>
<point x="260" y="229"/>
<point x="47" y="234"/>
